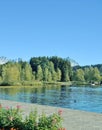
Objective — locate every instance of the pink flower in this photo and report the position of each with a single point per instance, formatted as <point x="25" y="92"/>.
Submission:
<point x="60" y="112"/>
<point x="18" y="106"/>
<point x="7" y="108"/>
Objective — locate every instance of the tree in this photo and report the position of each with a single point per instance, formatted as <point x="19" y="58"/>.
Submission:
<point x="28" y="72"/>
<point x="49" y="76"/>
<point x="58" y="73"/>
<point x="25" y="71"/>
<point x="45" y="74"/>
<point x="11" y="73"/>
<point x="96" y="75"/>
<point x="65" y="71"/>
<point x="39" y="74"/>
<point x="86" y="74"/>
<point x="52" y="70"/>
<point x="79" y="76"/>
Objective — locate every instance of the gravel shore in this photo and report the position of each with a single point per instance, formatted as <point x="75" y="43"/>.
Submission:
<point x="73" y="119"/>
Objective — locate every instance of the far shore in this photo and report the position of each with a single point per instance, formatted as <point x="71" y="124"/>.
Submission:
<point x="36" y="83"/>
<point x="44" y="83"/>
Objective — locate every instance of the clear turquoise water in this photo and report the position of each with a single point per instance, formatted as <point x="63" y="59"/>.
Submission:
<point x="81" y="98"/>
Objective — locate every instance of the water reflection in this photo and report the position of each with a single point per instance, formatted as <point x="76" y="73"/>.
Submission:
<point x="83" y="98"/>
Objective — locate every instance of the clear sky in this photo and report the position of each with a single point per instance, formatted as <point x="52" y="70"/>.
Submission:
<point x="64" y="28"/>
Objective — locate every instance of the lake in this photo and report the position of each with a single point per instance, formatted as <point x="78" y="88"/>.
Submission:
<point x="86" y="98"/>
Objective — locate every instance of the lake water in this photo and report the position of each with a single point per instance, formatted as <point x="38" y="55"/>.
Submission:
<point x="81" y="98"/>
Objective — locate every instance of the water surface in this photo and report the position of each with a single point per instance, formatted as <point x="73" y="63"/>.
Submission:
<point x="82" y="98"/>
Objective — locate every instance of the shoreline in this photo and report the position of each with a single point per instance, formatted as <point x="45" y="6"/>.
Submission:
<point x="37" y="83"/>
<point x="72" y="119"/>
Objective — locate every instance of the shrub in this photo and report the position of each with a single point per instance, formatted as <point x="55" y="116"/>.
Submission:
<point x="12" y="119"/>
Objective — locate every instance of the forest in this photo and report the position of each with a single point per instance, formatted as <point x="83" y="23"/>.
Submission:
<point x="48" y="70"/>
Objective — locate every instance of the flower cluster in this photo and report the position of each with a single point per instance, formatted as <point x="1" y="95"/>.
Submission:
<point x="12" y="119"/>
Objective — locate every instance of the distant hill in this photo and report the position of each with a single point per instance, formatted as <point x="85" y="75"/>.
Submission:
<point x="3" y="60"/>
<point x="73" y="62"/>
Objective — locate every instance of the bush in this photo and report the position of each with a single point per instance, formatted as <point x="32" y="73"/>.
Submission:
<point x="12" y="119"/>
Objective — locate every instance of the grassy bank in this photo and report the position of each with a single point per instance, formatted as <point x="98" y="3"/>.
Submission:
<point x="43" y="83"/>
<point x="34" y="83"/>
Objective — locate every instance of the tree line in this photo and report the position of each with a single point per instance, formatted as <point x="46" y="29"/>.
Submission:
<point x="89" y="74"/>
<point x="47" y="69"/>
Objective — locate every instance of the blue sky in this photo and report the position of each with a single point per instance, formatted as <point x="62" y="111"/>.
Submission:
<point x="64" y="28"/>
